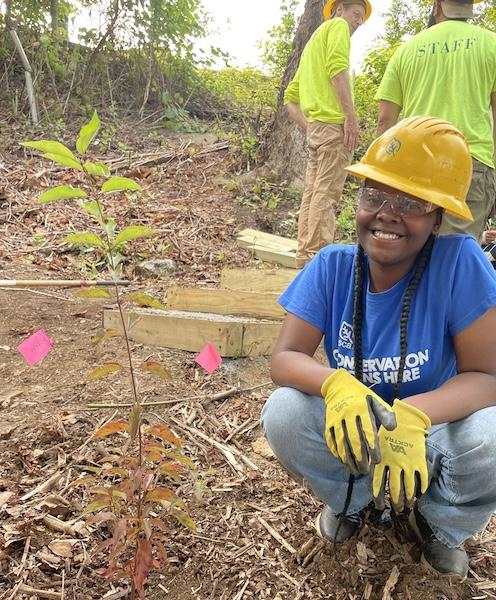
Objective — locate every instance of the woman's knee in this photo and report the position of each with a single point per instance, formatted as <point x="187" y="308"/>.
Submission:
<point x="288" y="410"/>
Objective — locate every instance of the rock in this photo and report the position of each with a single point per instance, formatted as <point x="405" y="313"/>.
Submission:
<point x="162" y="268"/>
<point x="261" y="447"/>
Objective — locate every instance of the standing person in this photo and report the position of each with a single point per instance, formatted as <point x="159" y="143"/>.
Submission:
<point x="319" y="99"/>
<point x="412" y="315"/>
<point x="449" y="71"/>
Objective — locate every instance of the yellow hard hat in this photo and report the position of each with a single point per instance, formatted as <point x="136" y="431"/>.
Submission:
<point x="329" y="5"/>
<point x="425" y="157"/>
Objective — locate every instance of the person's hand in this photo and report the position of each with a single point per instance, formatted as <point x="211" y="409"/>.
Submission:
<point x="403" y="458"/>
<point x="353" y="413"/>
<point x="351" y="133"/>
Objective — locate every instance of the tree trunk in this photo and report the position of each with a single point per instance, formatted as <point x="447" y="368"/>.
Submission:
<point x="285" y="146"/>
<point x="54" y="18"/>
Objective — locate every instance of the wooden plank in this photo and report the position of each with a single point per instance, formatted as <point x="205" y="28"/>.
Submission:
<point x="262" y="238"/>
<point x="225" y="302"/>
<point x="257" y="280"/>
<point x="232" y="336"/>
<point x="286" y="259"/>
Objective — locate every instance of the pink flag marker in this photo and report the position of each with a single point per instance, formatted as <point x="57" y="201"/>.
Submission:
<point x="209" y="358"/>
<point x="35" y="347"/>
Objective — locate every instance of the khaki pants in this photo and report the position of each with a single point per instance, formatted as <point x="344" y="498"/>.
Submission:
<point x="324" y="183"/>
<point x="481" y="199"/>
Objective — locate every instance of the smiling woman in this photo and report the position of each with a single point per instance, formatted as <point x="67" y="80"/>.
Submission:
<point x="413" y="314"/>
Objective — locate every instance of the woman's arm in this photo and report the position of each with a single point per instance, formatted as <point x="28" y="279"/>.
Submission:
<point x="292" y="363"/>
<point x="475" y="385"/>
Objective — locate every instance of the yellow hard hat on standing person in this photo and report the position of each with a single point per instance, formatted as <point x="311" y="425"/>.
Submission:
<point x="425" y="157"/>
<point x="329" y="5"/>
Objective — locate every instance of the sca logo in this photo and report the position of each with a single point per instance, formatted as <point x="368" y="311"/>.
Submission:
<point x="346" y="335"/>
<point x="394" y="147"/>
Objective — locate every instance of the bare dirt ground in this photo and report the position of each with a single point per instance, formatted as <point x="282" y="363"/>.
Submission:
<point x="255" y="535"/>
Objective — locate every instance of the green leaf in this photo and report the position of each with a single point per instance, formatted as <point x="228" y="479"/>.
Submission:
<point x="84" y="239"/>
<point x="111" y="428"/>
<point x="97" y="169"/>
<point x="134" y="421"/>
<point x="184" y="519"/>
<point x="92" y="208"/>
<point x="87" y="134"/>
<point x="133" y="232"/>
<point x="103" y="334"/>
<point x="104" y="370"/>
<point x="61" y="192"/>
<point x="120" y="184"/>
<point x="93" y="293"/>
<point x="50" y="147"/>
<point x="156" y="369"/>
<point x="64" y="160"/>
<point x="142" y="299"/>
<point x="96" y="506"/>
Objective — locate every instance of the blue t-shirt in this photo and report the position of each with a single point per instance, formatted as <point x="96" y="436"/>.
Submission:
<point x="457" y="288"/>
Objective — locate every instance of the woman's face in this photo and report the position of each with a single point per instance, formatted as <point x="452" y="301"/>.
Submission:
<point x="391" y="238"/>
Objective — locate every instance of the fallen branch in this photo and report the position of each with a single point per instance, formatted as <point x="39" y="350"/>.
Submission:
<point x="220" y="396"/>
<point x="277" y="536"/>
<point x="27" y="589"/>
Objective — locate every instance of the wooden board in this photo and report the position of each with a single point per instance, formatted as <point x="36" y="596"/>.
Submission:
<point x="278" y="257"/>
<point x="267" y="239"/>
<point x="225" y="302"/>
<point x="257" y="280"/>
<point x="232" y="336"/>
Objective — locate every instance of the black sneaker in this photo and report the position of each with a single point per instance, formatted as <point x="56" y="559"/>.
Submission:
<point x="328" y="524"/>
<point x="436" y="555"/>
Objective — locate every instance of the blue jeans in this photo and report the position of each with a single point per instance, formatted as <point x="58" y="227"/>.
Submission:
<point x="462" y="461"/>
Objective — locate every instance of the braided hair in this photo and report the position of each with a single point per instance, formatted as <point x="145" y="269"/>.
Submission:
<point x="422" y="262"/>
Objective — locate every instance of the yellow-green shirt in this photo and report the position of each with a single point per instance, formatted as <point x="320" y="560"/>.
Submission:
<point x="326" y="54"/>
<point x="447" y="71"/>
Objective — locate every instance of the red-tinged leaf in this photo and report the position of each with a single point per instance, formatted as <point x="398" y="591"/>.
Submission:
<point x="102" y="517"/>
<point x="161" y="495"/>
<point x="134" y="422"/>
<point x="104" y="370"/>
<point x="181" y="458"/>
<point x="184" y="519"/>
<point x="143" y="562"/>
<point x="164" y="434"/>
<point x="119" y="471"/>
<point x="99" y="490"/>
<point x="153" y="457"/>
<point x="83" y="481"/>
<point x="160" y="548"/>
<point x="96" y="506"/>
<point x="156" y="369"/>
<point x="172" y="470"/>
<point x="111" y="428"/>
<point x="104" y="334"/>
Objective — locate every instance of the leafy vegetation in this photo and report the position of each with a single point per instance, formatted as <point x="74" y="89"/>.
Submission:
<point x="132" y="486"/>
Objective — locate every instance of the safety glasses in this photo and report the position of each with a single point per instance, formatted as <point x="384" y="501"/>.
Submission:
<point x="374" y="200"/>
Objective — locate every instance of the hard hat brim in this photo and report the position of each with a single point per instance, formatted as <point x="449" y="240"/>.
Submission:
<point x="326" y="12"/>
<point x="451" y="205"/>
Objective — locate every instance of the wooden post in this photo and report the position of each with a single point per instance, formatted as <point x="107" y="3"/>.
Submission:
<point x="28" y="75"/>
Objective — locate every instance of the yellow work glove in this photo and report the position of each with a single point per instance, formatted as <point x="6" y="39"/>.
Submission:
<point x="353" y="415"/>
<point x="403" y="458"/>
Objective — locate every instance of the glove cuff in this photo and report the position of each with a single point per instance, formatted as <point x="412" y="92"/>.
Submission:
<point x="338" y="377"/>
<point x="403" y="409"/>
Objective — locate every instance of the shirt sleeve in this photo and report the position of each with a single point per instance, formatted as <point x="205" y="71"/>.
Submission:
<point x="292" y="92"/>
<point x="390" y="87"/>
<point x="474" y="287"/>
<point x="337" y="57"/>
<point x="307" y="295"/>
